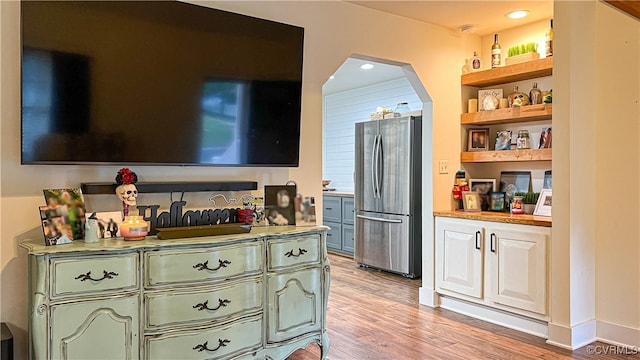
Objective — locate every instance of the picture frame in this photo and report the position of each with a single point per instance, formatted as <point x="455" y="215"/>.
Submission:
<point x="512" y="182"/>
<point x="497" y="201"/>
<point x="546" y="184"/>
<point x="478" y="139"/>
<point x="279" y="203"/>
<point x="55" y="225"/>
<point x="470" y="201"/>
<point x="488" y="99"/>
<point x="70" y="202"/>
<point x="543" y="206"/>
<point x="503" y="140"/>
<point x="108" y="224"/>
<point x="545" y="138"/>
<point x="484" y="188"/>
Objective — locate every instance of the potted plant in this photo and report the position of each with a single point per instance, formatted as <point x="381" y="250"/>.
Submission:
<point x="522" y="53"/>
<point x="530" y="199"/>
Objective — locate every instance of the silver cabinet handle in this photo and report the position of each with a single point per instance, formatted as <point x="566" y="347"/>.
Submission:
<point x="379" y="219"/>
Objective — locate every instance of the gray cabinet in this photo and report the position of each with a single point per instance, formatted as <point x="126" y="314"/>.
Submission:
<point x="338" y="215"/>
<point x="260" y="295"/>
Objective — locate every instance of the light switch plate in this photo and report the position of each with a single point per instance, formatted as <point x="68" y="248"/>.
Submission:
<point x="443" y="166"/>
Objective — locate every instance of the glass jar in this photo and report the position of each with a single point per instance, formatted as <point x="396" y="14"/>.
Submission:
<point x="517" y="206"/>
<point x="523" y="141"/>
<point x="134" y="228"/>
<point x="402" y="107"/>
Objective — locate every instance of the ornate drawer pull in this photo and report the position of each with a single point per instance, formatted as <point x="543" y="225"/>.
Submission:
<point x="205" y="265"/>
<point x="203" y="347"/>
<point x="87" y="276"/>
<point x="205" y="305"/>
<point x="300" y="252"/>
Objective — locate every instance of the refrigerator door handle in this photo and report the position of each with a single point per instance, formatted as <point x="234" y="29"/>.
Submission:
<point x="395" y="221"/>
<point x="374" y="167"/>
<point x="380" y="165"/>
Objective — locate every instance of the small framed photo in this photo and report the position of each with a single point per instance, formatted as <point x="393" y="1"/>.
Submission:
<point x="108" y="224"/>
<point x="470" y="201"/>
<point x="497" y="201"/>
<point x="484" y="188"/>
<point x="543" y="206"/>
<point x="478" y="140"/>
<point x="503" y="140"/>
<point x="512" y="182"/>
<point x="545" y="139"/>
<point x="279" y="203"/>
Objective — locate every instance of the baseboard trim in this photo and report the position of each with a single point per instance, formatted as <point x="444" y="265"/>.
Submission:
<point x="617" y="334"/>
<point x="428" y="297"/>
<point x="572" y="338"/>
<point x="495" y="316"/>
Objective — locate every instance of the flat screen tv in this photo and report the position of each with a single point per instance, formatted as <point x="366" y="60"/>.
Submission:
<point x="158" y="83"/>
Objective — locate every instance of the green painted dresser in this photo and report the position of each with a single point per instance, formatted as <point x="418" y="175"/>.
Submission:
<point x="260" y="295"/>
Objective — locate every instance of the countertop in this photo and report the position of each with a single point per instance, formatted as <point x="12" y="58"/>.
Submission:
<point x="337" y="193"/>
<point x="503" y="217"/>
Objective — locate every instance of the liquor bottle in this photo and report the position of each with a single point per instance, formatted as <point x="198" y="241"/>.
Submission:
<point x="549" y="40"/>
<point x="475" y="62"/>
<point x="535" y="95"/>
<point x="495" y="52"/>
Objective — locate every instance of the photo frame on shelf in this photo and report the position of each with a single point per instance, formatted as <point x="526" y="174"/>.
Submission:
<point x="546" y="184"/>
<point x="512" y="182"/>
<point x="503" y="140"/>
<point x="543" y="206"/>
<point x="470" y="201"/>
<point x="545" y="138"/>
<point x="108" y="224"/>
<point x="478" y="139"/>
<point x="484" y="188"/>
<point x="497" y="201"/>
<point x="55" y="225"/>
<point x="488" y="99"/>
<point x="279" y="203"/>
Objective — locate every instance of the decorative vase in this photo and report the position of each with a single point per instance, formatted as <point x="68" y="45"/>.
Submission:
<point x="134" y="228"/>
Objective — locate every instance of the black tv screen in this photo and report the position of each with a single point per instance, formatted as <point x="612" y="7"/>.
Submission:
<point x="158" y="82"/>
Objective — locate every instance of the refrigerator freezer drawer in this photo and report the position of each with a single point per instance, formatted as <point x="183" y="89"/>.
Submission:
<point x="383" y="241"/>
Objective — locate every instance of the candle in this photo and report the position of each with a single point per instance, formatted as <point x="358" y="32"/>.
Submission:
<point x="504" y="103"/>
<point x="134" y="228"/>
<point x="473" y="105"/>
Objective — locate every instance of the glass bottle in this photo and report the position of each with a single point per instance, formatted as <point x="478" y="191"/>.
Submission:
<point x="517" y="98"/>
<point x="523" y="141"/>
<point x="549" y="40"/>
<point x="402" y="107"/>
<point x="535" y="95"/>
<point x="476" y="63"/>
<point x="495" y="52"/>
<point x="466" y="68"/>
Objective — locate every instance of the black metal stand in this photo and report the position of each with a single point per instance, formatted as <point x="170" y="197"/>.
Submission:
<point x="169" y="187"/>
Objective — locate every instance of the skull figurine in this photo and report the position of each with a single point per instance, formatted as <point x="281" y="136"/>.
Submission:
<point x="127" y="193"/>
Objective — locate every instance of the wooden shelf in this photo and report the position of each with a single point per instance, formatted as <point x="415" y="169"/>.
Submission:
<point x="509" y="115"/>
<point x="510" y="73"/>
<point x="505" y="156"/>
<point x="503" y="217"/>
<point x="176" y="186"/>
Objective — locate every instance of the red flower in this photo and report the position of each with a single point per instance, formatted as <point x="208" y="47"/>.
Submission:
<point x="126" y="176"/>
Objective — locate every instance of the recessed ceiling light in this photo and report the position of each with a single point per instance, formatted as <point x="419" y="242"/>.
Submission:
<point x="518" y="14"/>
<point x="366" y="66"/>
<point x="331" y="77"/>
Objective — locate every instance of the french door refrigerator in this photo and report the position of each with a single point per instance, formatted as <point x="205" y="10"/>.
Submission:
<point x="388" y="181"/>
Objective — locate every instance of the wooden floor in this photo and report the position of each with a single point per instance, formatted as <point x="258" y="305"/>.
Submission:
<point x="374" y="315"/>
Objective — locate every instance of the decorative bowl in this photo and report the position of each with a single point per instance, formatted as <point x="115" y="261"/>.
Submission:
<point x="325" y="183"/>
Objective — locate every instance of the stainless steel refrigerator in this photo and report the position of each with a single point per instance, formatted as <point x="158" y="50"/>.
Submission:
<point x="388" y="181"/>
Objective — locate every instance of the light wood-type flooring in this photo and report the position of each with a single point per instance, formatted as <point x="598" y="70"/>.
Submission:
<point x="374" y="315"/>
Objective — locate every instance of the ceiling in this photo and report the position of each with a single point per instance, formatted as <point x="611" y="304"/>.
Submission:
<point x="486" y="16"/>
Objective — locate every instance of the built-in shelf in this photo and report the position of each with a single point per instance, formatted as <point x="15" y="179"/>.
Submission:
<point x="509" y="73"/>
<point x="169" y="187"/>
<point x="505" y="156"/>
<point x="509" y="115"/>
<point x="504" y="217"/>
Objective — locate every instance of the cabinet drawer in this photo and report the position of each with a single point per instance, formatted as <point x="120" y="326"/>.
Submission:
<point x="208" y="264"/>
<point x="94" y="274"/>
<point x="334" y="236"/>
<point x="215" y="343"/>
<point x="332" y="208"/>
<point x="206" y="304"/>
<point x="348" y="213"/>
<point x="293" y="251"/>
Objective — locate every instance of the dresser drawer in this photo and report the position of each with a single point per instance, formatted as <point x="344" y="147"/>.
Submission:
<point x="293" y="251"/>
<point x="216" y="343"/>
<point x="195" y="306"/>
<point x="208" y="264"/>
<point x="86" y="275"/>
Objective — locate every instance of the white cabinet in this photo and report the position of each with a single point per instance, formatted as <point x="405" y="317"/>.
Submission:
<point x="258" y="295"/>
<point x="501" y="265"/>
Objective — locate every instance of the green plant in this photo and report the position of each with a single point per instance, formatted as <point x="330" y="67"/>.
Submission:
<point x="523" y="49"/>
<point x="529" y="197"/>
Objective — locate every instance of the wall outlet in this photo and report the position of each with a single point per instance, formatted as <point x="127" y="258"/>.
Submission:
<point x="443" y="166"/>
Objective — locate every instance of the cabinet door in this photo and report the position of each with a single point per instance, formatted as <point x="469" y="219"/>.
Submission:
<point x="518" y="269"/>
<point x="348" y="211"/>
<point x="348" y="239"/>
<point x="334" y="235"/>
<point x="295" y="304"/>
<point x="98" y="329"/>
<point x="459" y="260"/>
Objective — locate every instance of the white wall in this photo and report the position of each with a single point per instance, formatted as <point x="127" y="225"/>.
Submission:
<point x="333" y="32"/>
